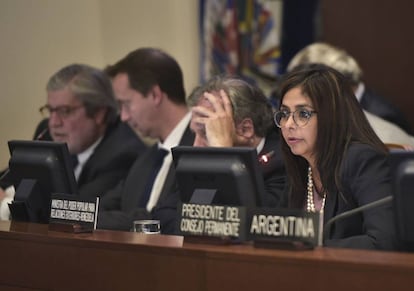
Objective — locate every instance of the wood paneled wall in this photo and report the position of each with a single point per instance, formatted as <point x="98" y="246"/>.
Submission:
<point x="380" y="35"/>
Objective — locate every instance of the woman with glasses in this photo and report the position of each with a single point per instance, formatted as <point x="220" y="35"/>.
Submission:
<point x="334" y="160"/>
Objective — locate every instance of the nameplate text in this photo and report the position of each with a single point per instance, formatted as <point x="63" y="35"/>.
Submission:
<point x="284" y="224"/>
<point x="212" y="220"/>
<point x="70" y="210"/>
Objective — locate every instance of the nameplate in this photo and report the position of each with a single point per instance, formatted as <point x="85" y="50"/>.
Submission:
<point x="284" y="228"/>
<point x="205" y="220"/>
<point x="68" y="213"/>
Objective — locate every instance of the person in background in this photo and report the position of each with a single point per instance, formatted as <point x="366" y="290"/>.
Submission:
<point x="81" y="111"/>
<point x="334" y="160"/>
<point x="228" y="111"/>
<point x="344" y="63"/>
<point x="149" y="88"/>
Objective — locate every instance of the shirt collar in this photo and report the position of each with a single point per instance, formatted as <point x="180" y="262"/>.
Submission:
<point x="359" y="91"/>
<point x="260" y="146"/>
<point x="84" y="156"/>
<point x="173" y="139"/>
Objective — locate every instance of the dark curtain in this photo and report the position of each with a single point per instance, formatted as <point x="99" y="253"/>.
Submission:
<point x="300" y="27"/>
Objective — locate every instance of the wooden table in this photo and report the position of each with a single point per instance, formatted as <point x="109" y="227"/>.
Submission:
<point x="35" y="258"/>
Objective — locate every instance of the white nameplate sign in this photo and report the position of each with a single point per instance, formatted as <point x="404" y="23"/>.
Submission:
<point x="212" y="220"/>
<point x="68" y="213"/>
<point x="284" y="226"/>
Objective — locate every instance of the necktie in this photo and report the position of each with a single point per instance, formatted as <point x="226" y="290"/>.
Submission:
<point x="74" y="161"/>
<point x="158" y="160"/>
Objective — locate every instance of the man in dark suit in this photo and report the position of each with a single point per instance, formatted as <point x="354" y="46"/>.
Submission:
<point x="110" y="161"/>
<point x="82" y="112"/>
<point x="148" y="85"/>
<point x="229" y="112"/>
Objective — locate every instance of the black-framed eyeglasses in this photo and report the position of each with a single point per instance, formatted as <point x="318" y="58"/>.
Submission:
<point x="300" y="117"/>
<point x="61" y="111"/>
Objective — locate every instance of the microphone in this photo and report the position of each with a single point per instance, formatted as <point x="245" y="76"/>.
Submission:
<point x="4" y="174"/>
<point x="42" y="134"/>
<point x="264" y="159"/>
<point x="368" y="206"/>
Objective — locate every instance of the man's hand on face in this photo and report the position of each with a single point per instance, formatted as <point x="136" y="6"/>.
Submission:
<point x="213" y="120"/>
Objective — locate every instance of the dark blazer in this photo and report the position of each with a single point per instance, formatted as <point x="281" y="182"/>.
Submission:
<point x="274" y="172"/>
<point x="111" y="160"/>
<point x="381" y="107"/>
<point x="119" y="207"/>
<point x="365" y="178"/>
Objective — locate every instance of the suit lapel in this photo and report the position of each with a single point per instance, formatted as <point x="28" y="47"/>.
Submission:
<point x="94" y="159"/>
<point x="138" y="174"/>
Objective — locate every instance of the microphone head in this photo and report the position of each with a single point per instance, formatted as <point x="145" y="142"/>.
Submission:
<point x="265" y="158"/>
<point x="42" y="134"/>
<point x="42" y="131"/>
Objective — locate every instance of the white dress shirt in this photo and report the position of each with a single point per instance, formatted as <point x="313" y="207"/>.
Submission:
<point x="84" y="156"/>
<point x="172" y="140"/>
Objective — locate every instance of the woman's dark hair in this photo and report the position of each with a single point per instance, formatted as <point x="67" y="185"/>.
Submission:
<point x="341" y="122"/>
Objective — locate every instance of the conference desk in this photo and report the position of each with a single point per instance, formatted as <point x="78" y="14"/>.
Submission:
<point x="32" y="257"/>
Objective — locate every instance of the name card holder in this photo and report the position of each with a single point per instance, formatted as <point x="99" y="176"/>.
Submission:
<point x="284" y="228"/>
<point x="70" y="214"/>
<point x="214" y="224"/>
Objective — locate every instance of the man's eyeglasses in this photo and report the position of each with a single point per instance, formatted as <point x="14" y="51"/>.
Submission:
<point x="300" y="117"/>
<point x="61" y="111"/>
